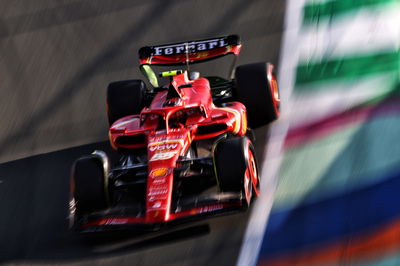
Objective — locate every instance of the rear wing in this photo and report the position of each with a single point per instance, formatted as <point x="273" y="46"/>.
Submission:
<point x="190" y="52"/>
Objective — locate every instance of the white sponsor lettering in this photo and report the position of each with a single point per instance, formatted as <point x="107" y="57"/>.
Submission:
<point x="211" y="208"/>
<point x="169" y="51"/>
<point x="222" y="43"/>
<point x="113" y="221"/>
<point x="156" y="205"/>
<point x="202" y="47"/>
<point x="193" y="47"/>
<point x="158" y="192"/>
<point x="180" y="49"/>
<point x="163" y="156"/>
<point x="161" y="141"/>
<point x="159" y="197"/>
<point x="157" y="51"/>
<point x="213" y="44"/>
<point x="164" y="147"/>
<point x="159" y="181"/>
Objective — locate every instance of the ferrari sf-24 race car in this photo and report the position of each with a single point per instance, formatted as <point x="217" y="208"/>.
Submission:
<point x="185" y="148"/>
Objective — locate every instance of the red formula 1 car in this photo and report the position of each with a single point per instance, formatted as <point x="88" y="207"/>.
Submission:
<point x="185" y="147"/>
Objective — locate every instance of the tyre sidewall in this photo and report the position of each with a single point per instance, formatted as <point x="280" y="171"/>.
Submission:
<point x="88" y="185"/>
<point x="253" y="89"/>
<point x="125" y="98"/>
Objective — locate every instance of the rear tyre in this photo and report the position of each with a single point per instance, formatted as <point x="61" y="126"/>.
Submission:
<point x="89" y="186"/>
<point x="256" y="87"/>
<point x="125" y="98"/>
<point x="236" y="167"/>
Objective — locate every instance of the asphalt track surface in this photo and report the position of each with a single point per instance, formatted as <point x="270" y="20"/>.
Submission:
<point x="56" y="59"/>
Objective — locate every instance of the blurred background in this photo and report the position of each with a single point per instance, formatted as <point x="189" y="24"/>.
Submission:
<point x="56" y="60"/>
<point x="336" y="197"/>
<point x="337" y="200"/>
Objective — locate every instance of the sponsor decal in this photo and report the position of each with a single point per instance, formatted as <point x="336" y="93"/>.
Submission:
<point x="159" y="172"/>
<point x="164" y="138"/>
<point x="159" y="181"/>
<point x="162" y="141"/>
<point x="163" y="155"/>
<point x="159" y="197"/>
<point x="211" y="208"/>
<point x="163" y="147"/>
<point x="156" y="205"/>
<point x="193" y="47"/>
<point x="115" y="221"/>
<point x="158" y="191"/>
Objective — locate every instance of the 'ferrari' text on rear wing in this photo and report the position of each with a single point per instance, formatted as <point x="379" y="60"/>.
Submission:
<point x="190" y="51"/>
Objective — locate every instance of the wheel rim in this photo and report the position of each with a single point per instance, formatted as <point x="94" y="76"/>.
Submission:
<point x="255" y="178"/>
<point x="248" y="186"/>
<point x="251" y="179"/>
<point x="275" y="94"/>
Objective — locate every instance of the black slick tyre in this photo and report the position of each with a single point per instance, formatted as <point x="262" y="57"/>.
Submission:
<point x="124" y="98"/>
<point x="88" y="185"/>
<point x="233" y="159"/>
<point x="256" y="87"/>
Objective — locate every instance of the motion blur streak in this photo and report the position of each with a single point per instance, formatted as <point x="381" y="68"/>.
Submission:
<point x="60" y="57"/>
<point x="328" y="10"/>
<point x="373" y="244"/>
<point x="337" y="194"/>
<point x="56" y="60"/>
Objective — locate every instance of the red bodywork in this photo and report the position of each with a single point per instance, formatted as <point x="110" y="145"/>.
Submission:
<point x="180" y="113"/>
<point x="166" y="146"/>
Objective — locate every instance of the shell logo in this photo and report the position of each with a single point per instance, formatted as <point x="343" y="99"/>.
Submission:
<point x="160" y="172"/>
